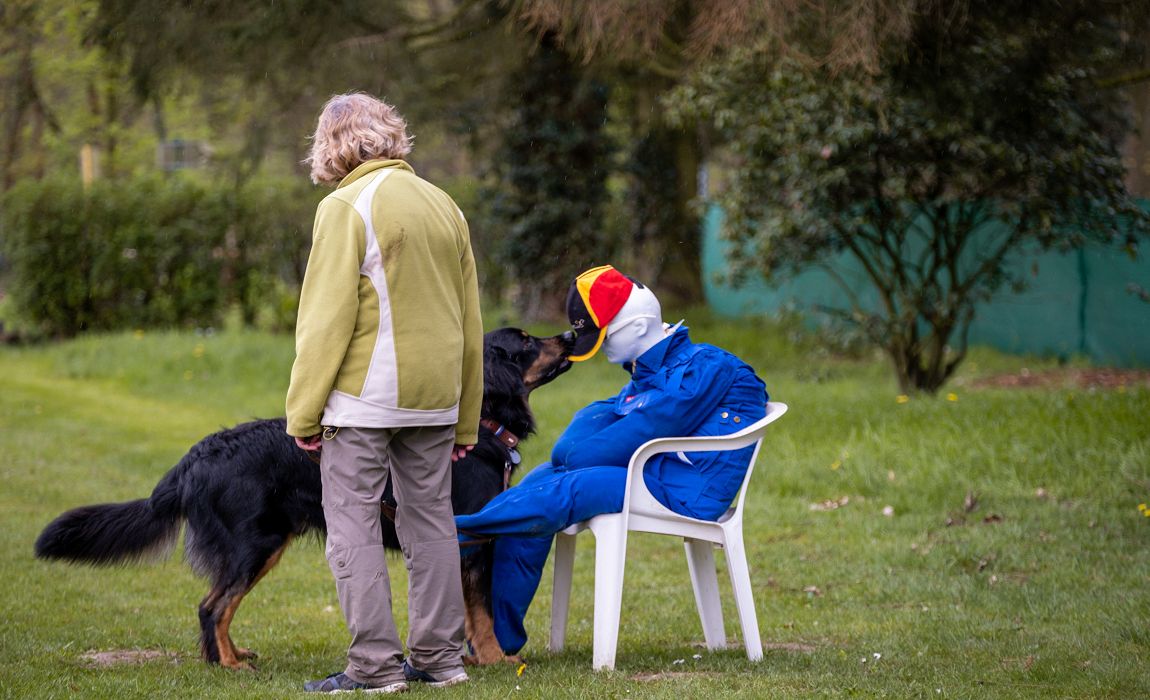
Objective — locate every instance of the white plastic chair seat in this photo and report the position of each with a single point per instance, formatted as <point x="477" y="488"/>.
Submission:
<point x="642" y="513"/>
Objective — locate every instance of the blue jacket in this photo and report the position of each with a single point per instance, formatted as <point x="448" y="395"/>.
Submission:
<point x="677" y="388"/>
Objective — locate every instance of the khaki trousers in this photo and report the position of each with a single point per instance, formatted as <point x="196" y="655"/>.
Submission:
<point x="354" y="466"/>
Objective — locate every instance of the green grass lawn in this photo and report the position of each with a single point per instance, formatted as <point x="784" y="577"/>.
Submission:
<point x="1012" y="561"/>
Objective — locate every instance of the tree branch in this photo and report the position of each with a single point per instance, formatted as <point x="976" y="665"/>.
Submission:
<point x="880" y="284"/>
<point x="1124" y="80"/>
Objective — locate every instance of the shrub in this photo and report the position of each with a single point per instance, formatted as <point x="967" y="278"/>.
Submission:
<point x="153" y="251"/>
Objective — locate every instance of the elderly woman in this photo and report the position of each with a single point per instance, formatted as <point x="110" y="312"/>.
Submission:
<point x="388" y="379"/>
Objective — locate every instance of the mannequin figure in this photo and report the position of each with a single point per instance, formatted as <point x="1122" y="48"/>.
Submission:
<point x="677" y="388"/>
<point x="637" y="329"/>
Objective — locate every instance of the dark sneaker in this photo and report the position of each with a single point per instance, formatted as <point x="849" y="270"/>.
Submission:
<point x="340" y="683"/>
<point x="414" y="675"/>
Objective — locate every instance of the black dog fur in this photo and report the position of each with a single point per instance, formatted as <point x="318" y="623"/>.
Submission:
<point x="247" y="491"/>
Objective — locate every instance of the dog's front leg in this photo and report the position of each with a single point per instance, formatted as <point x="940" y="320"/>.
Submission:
<point x="478" y="623"/>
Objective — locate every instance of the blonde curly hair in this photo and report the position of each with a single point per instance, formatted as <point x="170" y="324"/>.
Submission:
<point x="353" y="129"/>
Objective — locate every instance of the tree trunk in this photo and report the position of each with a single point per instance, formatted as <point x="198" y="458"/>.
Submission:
<point x="664" y="247"/>
<point x="922" y="368"/>
<point x="681" y="277"/>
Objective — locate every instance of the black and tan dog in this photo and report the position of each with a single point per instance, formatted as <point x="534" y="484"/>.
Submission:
<point x="246" y="492"/>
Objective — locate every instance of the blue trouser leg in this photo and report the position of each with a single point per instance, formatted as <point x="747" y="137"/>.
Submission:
<point x="547" y="500"/>
<point x="517" y="567"/>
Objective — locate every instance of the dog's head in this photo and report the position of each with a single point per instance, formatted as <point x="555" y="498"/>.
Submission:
<point x="515" y="362"/>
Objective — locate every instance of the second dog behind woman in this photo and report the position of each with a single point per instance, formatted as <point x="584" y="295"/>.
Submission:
<point x="388" y="378"/>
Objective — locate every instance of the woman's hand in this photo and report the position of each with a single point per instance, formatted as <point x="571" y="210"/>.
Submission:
<point x="311" y="443"/>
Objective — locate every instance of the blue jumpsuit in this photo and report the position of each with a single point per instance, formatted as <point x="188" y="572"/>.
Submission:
<point x="677" y="388"/>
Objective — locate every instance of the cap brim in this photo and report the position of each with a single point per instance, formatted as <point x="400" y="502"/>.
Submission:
<point x="587" y="343"/>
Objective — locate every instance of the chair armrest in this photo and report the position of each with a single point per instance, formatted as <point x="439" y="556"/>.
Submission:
<point x="637" y="491"/>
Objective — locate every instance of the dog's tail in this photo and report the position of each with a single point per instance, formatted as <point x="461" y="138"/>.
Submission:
<point x="118" y="533"/>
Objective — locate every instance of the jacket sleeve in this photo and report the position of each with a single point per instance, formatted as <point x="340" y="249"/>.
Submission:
<point x="328" y="306"/>
<point x="471" y="392"/>
<point x="671" y="412"/>
<point x="588" y="421"/>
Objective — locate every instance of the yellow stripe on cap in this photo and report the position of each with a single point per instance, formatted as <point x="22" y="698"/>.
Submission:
<point x="590" y="353"/>
<point x="583" y="283"/>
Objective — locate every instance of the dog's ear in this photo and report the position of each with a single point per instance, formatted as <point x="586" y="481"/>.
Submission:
<point x="501" y="375"/>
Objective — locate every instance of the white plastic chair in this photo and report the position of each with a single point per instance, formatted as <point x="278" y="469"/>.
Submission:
<point x="642" y="513"/>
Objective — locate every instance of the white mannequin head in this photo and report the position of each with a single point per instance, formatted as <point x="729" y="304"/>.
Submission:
<point x="637" y="327"/>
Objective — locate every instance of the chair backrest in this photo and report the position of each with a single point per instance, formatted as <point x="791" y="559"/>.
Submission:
<point x="775" y="411"/>
<point x="752" y="434"/>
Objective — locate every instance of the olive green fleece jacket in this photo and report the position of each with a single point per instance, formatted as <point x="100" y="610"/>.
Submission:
<point x="389" y="333"/>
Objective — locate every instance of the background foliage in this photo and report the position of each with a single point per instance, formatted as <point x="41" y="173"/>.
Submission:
<point x="154" y="252"/>
<point x="548" y="121"/>
<point x="998" y="120"/>
<point x="549" y="179"/>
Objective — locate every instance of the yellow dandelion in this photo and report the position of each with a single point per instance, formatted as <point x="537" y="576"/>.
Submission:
<point x="835" y="465"/>
<point x="952" y="397"/>
<point x="519" y="671"/>
<point x="138" y="333"/>
<point x="188" y="375"/>
<point x="198" y="351"/>
<point x="1142" y="508"/>
<point x="902" y="398"/>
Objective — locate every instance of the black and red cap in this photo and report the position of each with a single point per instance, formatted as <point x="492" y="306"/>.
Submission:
<point x="594" y="299"/>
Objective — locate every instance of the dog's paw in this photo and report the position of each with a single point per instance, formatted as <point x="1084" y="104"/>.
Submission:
<point x="246" y="654"/>
<point x="514" y="659"/>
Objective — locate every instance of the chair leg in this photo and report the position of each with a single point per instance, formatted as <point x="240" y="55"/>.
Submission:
<point x="705" y="581"/>
<point x="561" y="589"/>
<point x="610" y="558"/>
<point x="744" y="597"/>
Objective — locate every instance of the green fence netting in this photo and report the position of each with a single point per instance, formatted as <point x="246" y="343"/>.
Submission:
<point x="1076" y="302"/>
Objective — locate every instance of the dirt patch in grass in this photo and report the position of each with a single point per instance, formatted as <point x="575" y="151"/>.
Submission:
<point x="1088" y="378"/>
<point x="673" y="675"/>
<point x="126" y="657"/>
<point x="788" y="646"/>
<point x="767" y="646"/>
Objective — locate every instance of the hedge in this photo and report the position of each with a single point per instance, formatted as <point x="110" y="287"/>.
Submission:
<point x="154" y="252"/>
